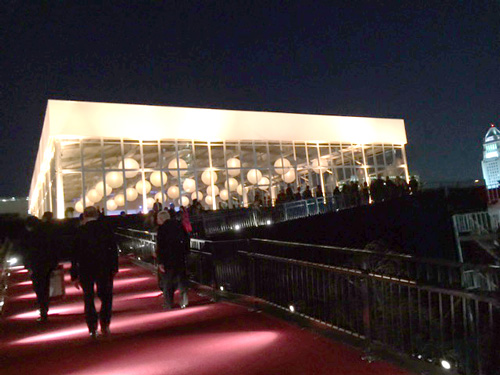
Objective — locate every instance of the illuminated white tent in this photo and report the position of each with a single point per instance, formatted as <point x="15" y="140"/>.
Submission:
<point x="70" y="122"/>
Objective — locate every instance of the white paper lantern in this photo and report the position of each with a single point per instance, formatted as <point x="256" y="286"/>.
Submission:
<point x="264" y="183"/>
<point x="208" y="200"/>
<point x="130" y="164"/>
<point x="173" y="167"/>
<point x="94" y="196"/>
<point x="254" y="176"/>
<point x="224" y="194"/>
<point x="205" y="177"/>
<point x="156" y="177"/>
<point x="131" y="194"/>
<point x="233" y="163"/>
<point x="289" y="176"/>
<point x="139" y="185"/>
<point x="114" y="179"/>
<point x="197" y="195"/>
<point x="319" y="166"/>
<point x="99" y="187"/>
<point x="232" y="182"/>
<point x="282" y="165"/>
<point x="79" y="206"/>
<point x="189" y="185"/>
<point x="111" y="205"/>
<point x="215" y="190"/>
<point x="150" y="203"/>
<point x="184" y="201"/>
<point x="173" y="192"/>
<point x="158" y="196"/>
<point x="120" y="200"/>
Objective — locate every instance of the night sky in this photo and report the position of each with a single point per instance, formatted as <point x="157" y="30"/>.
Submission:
<point x="434" y="64"/>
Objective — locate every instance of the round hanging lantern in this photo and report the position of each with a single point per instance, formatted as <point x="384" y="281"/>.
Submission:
<point x="215" y="190"/>
<point x="139" y="185"/>
<point x="156" y="177"/>
<point x="111" y="205"/>
<point x="231" y="184"/>
<point x="184" y="201"/>
<point x="94" y="196"/>
<point x="173" y="167"/>
<point x="120" y="200"/>
<point x="233" y="166"/>
<point x="99" y="187"/>
<point x="208" y="177"/>
<point x="130" y="164"/>
<point x="209" y="200"/>
<point x="282" y="165"/>
<point x="289" y="176"/>
<point x="158" y="196"/>
<point x="173" y="192"/>
<point x="254" y="176"/>
<point x="264" y="183"/>
<point x="319" y="166"/>
<point x="79" y="206"/>
<point x="131" y="194"/>
<point x="189" y="185"/>
<point x="150" y="203"/>
<point x="114" y="179"/>
<point x="197" y="195"/>
<point x="224" y="194"/>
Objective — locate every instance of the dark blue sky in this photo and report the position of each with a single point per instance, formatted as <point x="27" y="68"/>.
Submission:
<point x="435" y="66"/>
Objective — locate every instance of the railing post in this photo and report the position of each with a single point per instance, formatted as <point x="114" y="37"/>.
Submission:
<point x="366" y="306"/>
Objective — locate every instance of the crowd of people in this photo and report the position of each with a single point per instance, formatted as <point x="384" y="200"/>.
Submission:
<point x="94" y="261"/>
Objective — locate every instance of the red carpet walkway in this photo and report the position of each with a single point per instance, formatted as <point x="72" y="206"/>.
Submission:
<point x="204" y="339"/>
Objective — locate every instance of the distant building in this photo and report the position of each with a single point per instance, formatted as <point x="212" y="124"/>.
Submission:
<point x="491" y="158"/>
<point x="14" y="206"/>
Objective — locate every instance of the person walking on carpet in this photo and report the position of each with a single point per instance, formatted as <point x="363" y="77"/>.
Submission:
<point x="95" y="262"/>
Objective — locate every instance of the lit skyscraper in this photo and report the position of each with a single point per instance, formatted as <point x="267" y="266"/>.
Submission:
<point x="491" y="158"/>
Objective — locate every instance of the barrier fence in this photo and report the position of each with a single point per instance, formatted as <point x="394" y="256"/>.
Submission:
<point x="414" y="316"/>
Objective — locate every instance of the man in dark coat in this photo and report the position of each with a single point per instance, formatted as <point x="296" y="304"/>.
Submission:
<point x="40" y="259"/>
<point x="95" y="262"/>
<point x="171" y="249"/>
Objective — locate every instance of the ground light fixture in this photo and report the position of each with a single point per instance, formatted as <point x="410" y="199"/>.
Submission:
<point x="237" y="227"/>
<point x="221" y="288"/>
<point x="268" y="222"/>
<point x="445" y="364"/>
<point x="292" y="308"/>
<point x="12" y="261"/>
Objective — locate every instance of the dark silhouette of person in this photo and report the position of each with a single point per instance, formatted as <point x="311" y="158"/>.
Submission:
<point x="171" y="249"/>
<point x="413" y="185"/>
<point x="289" y="193"/>
<point x="319" y="191"/>
<point x="171" y="210"/>
<point x="297" y="195"/>
<point x="365" y="193"/>
<point x="337" y="195"/>
<point x="307" y="194"/>
<point x="281" y="198"/>
<point x="40" y="259"/>
<point x="95" y="263"/>
<point x="157" y="206"/>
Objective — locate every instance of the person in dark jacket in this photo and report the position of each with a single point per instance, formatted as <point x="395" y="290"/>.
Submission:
<point x="171" y="249"/>
<point x="95" y="262"/>
<point x="40" y="259"/>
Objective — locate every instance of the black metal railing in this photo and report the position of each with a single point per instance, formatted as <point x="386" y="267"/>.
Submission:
<point x="402" y="313"/>
<point x="210" y="223"/>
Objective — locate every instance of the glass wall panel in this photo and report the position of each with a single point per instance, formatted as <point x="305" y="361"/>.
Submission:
<point x="70" y="155"/>
<point x="92" y="157"/>
<point x="72" y="187"/>
<point x="112" y="154"/>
